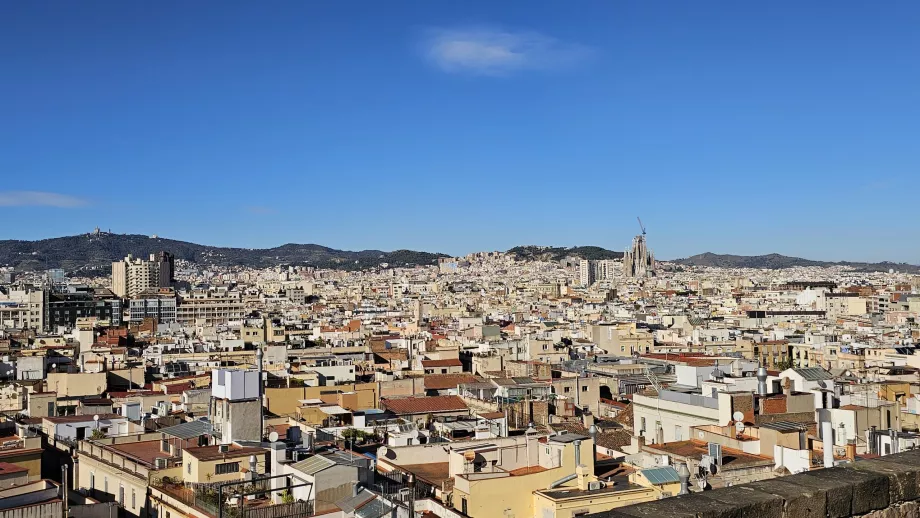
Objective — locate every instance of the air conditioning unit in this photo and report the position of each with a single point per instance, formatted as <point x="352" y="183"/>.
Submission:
<point x="223" y="448"/>
<point x="595" y="485"/>
<point x="160" y="462"/>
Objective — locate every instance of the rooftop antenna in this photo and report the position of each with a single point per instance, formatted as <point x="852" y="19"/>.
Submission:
<point x="641" y="225"/>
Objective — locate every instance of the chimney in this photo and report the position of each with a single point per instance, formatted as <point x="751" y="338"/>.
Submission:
<point x="762" y="381"/>
<point x="851" y="450"/>
<point x="592" y="432"/>
<point x="893" y="434"/>
<point x="787" y="386"/>
<point x="827" y="440"/>
<point x="873" y="441"/>
<point x="683" y="472"/>
<point x="587" y="419"/>
<point x="582" y="472"/>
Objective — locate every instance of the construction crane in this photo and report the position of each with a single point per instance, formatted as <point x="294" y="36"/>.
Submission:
<point x="641" y="225"/>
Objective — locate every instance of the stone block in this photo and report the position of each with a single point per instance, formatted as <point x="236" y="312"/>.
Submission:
<point x="868" y="490"/>
<point x="798" y="501"/>
<point x="695" y="505"/>
<point x="751" y="503"/>
<point x="903" y="476"/>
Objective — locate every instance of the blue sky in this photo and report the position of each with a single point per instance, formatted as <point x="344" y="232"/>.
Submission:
<point x="732" y="127"/>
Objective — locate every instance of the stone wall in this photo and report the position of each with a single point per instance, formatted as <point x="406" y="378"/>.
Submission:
<point x="886" y="487"/>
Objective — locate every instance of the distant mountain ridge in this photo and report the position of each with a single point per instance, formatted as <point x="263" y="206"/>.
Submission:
<point x="92" y="254"/>
<point x="779" y="262"/>
<point x="551" y="253"/>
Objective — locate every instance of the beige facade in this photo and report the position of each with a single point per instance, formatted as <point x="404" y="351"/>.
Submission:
<point x="133" y="275"/>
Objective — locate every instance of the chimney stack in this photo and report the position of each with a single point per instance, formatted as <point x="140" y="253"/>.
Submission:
<point x="762" y="381"/>
<point x="827" y="439"/>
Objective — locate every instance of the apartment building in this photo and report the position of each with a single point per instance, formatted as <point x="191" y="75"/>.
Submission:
<point x="22" y="309"/>
<point x="209" y="307"/>
<point x="133" y="275"/>
<point x="159" y="305"/>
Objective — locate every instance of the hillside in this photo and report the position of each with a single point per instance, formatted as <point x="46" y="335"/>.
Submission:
<point x="92" y="254"/>
<point x="777" y="262"/>
<point x="550" y="253"/>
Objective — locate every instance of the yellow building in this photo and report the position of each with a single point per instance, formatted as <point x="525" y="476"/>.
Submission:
<point x="492" y="481"/>
<point x="219" y="463"/>
<point x="189" y="490"/>
<point x="569" y="503"/>
<point x="23" y="452"/>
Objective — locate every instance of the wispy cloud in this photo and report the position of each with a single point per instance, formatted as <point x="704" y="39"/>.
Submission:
<point x="257" y="209"/>
<point x="40" y="199"/>
<point x="497" y="52"/>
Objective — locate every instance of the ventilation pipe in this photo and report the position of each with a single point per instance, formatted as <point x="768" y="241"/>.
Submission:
<point x="593" y="433"/>
<point x="827" y="437"/>
<point x="571" y="477"/>
<point x="762" y="381"/>
<point x="873" y="442"/>
<point x="894" y="439"/>
<point x="683" y="472"/>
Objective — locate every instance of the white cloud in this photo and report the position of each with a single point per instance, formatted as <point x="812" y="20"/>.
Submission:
<point x="39" y="199"/>
<point x="489" y="51"/>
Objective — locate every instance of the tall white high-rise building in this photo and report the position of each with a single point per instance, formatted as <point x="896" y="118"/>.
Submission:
<point x="590" y="272"/>
<point x="134" y="275"/>
<point x="587" y="274"/>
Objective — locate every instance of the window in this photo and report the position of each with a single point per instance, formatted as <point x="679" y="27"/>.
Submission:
<point x="229" y="467"/>
<point x="188" y="468"/>
<point x="567" y="390"/>
<point x="642" y="424"/>
<point x="584" y="388"/>
<point x="92" y="480"/>
<point x="133" y="499"/>
<point x="121" y="495"/>
<point x="105" y="484"/>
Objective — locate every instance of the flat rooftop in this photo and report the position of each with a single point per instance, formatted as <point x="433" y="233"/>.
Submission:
<point x="434" y="473"/>
<point x="144" y="451"/>
<point x="731" y="458"/>
<point x="559" y="494"/>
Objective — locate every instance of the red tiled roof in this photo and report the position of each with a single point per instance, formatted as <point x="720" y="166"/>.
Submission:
<point x="422" y="405"/>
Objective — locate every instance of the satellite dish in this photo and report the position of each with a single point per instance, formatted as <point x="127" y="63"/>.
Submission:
<point x="738" y="416"/>
<point x="96" y="418"/>
<point x="273" y="437"/>
<point x="702" y="434"/>
<point x="739" y="427"/>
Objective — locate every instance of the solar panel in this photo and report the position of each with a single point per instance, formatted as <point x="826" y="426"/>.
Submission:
<point x="663" y="475"/>
<point x="188" y="430"/>
<point x="313" y="465"/>
<point x="373" y="509"/>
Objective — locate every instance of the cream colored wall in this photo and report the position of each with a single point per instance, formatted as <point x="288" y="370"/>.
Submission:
<point x="77" y="384"/>
<point x="116" y="478"/>
<point x="202" y="468"/>
<point x="512" y="497"/>
<point x="546" y="508"/>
